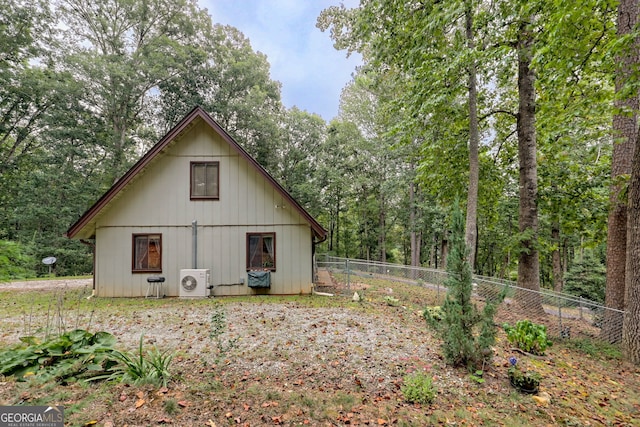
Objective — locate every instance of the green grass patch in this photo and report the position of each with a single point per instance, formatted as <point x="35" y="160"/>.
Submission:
<point x="595" y="348"/>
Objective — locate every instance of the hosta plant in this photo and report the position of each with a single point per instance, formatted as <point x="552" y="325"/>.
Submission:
<point x="528" y="336"/>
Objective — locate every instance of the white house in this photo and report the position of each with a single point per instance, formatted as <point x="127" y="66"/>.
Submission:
<point x="197" y="200"/>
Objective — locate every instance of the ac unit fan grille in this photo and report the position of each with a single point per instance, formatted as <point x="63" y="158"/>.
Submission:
<point x="189" y="283"/>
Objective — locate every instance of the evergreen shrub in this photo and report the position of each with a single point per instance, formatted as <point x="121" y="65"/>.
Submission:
<point x="587" y="278"/>
<point x="468" y="333"/>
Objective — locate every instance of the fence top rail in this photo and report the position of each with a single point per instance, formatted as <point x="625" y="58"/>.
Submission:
<point x="476" y="278"/>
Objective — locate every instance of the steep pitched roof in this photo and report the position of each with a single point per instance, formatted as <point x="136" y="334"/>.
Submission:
<point x="197" y="113"/>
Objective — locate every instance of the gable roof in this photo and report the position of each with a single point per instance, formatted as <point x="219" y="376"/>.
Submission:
<point x="190" y="119"/>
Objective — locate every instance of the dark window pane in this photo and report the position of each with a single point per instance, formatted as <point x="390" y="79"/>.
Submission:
<point x="261" y="252"/>
<point x="147" y="252"/>
<point x="204" y="180"/>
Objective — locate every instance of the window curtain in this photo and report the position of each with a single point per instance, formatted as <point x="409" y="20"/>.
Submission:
<point x="155" y="263"/>
<point x="142" y="252"/>
<point x="268" y="243"/>
<point x="253" y="251"/>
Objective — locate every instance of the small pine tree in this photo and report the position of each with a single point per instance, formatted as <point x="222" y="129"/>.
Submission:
<point x="467" y="332"/>
<point x="587" y="278"/>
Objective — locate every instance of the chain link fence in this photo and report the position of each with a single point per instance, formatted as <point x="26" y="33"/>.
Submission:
<point x="566" y="316"/>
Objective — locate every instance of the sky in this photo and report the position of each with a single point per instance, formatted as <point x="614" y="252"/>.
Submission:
<point x="302" y="57"/>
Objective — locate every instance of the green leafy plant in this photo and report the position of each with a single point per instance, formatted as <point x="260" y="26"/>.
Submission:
<point x="16" y="261"/>
<point x="76" y="354"/>
<point x="524" y="381"/>
<point x="418" y="388"/>
<point x="477" y="376"/>
<point x="391" y="301"/>
<point x="433" y="314"/>
<point x="528" y="336"/>
<point x="217" y="328"/>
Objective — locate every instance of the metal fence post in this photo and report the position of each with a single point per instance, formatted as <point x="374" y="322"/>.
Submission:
<point x="559" y="318"/>
<point x="580" y="308"/>
<point x="348" y="274"/>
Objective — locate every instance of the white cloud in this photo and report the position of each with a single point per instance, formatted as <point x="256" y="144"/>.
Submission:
<point x="302" y="58"/>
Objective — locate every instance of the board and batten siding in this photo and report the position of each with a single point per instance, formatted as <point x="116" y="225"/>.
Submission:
<point x="158" y="202"/>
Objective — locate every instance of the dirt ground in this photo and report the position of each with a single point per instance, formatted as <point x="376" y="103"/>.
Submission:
<point x="325" y="361"/>
<point x="50" y="285"/>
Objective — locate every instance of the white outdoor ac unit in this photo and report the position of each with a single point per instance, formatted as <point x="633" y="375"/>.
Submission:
<point x="194" y="283"/>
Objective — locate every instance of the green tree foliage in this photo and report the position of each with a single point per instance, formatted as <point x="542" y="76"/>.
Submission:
<point x="303" y="135"/>
<point x="80" y="99"/>
<point x="586" y="278"/>
<point x="467" y="332"/>
<point x="232" y="82"/>
<point x="421" y="54"/>
<point x="16" y="262"/>
<point x="121" y="51"/>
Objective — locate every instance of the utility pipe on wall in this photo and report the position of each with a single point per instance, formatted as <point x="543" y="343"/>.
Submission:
<point x="194" y="243"/>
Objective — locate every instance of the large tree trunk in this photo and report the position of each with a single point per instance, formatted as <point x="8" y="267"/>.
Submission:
<point x="631" y="326"/>
<point x="624" y="134"/>
<point x="471" y="232"/>
<point x="528" y="259"/>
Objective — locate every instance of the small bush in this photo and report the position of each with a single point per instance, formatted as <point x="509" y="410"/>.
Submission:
<point x="433" y="314"/>
<point x="391" y="301"/>
<point x="528" y="336"/>
<point x="418" y="388"/>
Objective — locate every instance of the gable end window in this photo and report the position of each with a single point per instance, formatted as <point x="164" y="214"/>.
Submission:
<point x="147" y="253"/>
<point x="205" y="177"/>
<point x="261" y="251"/>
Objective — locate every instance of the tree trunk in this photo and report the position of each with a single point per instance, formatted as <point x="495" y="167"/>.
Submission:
<point x="433" y="256"/>
<point x="631" y="324"/>
<point x="445" y="251"/>
<point x="624" y="133"/>
<point x="556" y="257"/>
<point x="338" y="226"/>
<point x="565" y="257"/>
<point x="471" y="232"/>
<point x="382" y="237"/>
<point x="414" y="235"/>
<point x="528" y="259"/>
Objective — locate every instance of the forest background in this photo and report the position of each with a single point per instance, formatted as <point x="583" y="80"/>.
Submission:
<point x="518" y="107"/>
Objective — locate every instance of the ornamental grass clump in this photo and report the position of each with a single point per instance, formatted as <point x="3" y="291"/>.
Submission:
<point x="150" y="367"/>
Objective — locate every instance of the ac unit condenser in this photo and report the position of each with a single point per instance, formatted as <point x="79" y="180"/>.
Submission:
<point x="194" y="283"/>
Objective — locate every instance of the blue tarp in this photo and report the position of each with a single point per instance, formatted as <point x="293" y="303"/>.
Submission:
<point x="259" y="279"/>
